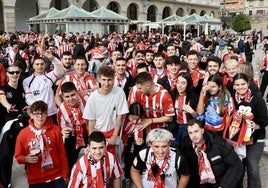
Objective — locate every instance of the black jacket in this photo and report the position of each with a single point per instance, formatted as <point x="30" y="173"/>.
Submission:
<point x="129" y="84"/>
<point x="226" y="165"/>
<point x="165" y="83"/>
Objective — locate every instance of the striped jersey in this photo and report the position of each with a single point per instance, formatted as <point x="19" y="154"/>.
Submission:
<point x="84" y="172"/>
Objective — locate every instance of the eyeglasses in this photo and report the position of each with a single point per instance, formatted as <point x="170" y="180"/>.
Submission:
<point x="39" y="113"/>
<point x="14" y="72"/>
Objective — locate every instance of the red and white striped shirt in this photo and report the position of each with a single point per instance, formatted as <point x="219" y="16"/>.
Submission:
<point x="71" y="116"/>
<point x="84" y="172"/>
<point x="132" y="67"/>
<point x="11" y="56"/>
<point x="157" y="75"/>
<point x="64" y="48"/>
<point x="182" y="116"/>
<point x="85" y="82"/>
<point x="197" y="75"/>
<point x="155" y="106"/>
<point x="132" y="95"/>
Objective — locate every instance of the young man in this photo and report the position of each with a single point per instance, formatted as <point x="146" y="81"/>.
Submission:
<point x="105" y="107"/>
<point x="197" y="73"/>
<point x="73" y="126"/>
<point x="156" y="101"/>
<point x="213" y="162"/>
<point x="40" y="147"/>
<point x="132" y="93"/>
<point x="84" y="82"/>
<point x="39" y="86"/>
<point x="171" y="50"/>
<point x="160" y="70"/>
<point x="173" y="69"/>
<point x="149" y="57"/>
<point x="97" y="167"/>
<point x="132" y="63"/>
<point x="67" y="62"/>
<point x="123" y="78"/>
<point x="213" y="67"/>
<point x="159" y="165"/>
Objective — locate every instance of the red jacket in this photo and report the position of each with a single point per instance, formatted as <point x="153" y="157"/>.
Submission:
<point x="57" y="151"/>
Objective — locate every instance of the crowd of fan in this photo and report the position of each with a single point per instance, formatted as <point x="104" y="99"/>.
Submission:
<point x="175" y="111"/>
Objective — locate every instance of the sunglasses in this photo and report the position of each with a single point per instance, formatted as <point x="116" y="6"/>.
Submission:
<point x="14" y="72"/>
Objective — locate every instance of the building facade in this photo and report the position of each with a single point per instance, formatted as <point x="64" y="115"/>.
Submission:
<point x="257" y="10"/>
<point x="14" y="13"/>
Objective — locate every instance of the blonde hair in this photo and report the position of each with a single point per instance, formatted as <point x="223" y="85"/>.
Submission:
<point x="230" y="63"/>
<point x="247" y="69"/>
<point x="159" y="135"/>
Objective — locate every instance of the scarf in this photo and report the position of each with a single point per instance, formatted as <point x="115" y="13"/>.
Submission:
<point x="247" y="97"/>
<point x="99" y="172"/>
<point x="44" y="142"/>
<point x="156" y="173"/>
<point x="196" y="76"/>
<point x="172" y="81"/>
<point x="77" y="122"/>
<point x="157" y="75"/>
<point x="205" y="171"/>
<point x="120" y="82"/>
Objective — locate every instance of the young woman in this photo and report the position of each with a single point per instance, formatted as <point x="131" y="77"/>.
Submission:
<point x="215" y="104"/>
<point x="231" y="69"/>
<point x="185" y="102"/>
<point x="247" y="69"/>
<point x="133" y="138"/>
<point x="257" y="121"/>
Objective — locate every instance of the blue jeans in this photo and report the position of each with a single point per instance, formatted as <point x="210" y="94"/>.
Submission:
<point x="59" y="183"/>
<point x="254" y="153"/>
<point x="179" y="133"/>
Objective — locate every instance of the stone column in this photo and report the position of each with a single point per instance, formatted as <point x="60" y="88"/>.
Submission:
<point x="9" y="18"/>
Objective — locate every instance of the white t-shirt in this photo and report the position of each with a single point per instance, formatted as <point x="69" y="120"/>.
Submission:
<point x="170" y="172"/>
<point x="39" y="87"/>
<point x="105" y="108"/>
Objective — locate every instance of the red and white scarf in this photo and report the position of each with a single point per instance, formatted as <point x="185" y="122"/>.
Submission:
<point x="247" y="97"/>
<point x="156" y="173"/>
<point x="205" y="171"/>
<point x="100" y="175"/>
<point x="44" y="143"/>
<point x="172" y="81"/>
<point x="77" y="122"/>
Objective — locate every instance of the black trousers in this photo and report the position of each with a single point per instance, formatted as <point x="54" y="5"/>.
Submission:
<point x="71" y="152"/>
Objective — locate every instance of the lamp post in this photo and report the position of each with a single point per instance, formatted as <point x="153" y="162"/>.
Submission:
<point x="224" y="15"/>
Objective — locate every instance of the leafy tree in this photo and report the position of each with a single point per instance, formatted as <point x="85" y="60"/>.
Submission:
<point x="241" y="23"/>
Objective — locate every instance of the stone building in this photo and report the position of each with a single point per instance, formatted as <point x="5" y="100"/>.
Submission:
<point x="14" y="13"/>
<point x="257" y="10"/>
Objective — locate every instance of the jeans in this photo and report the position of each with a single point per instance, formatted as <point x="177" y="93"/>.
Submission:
<point x="59" y="183"/>
<point x="254" y="153"/>
<point x="179" y="133"/>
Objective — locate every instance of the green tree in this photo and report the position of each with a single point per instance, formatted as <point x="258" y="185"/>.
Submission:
<point x="241" y="23"/>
